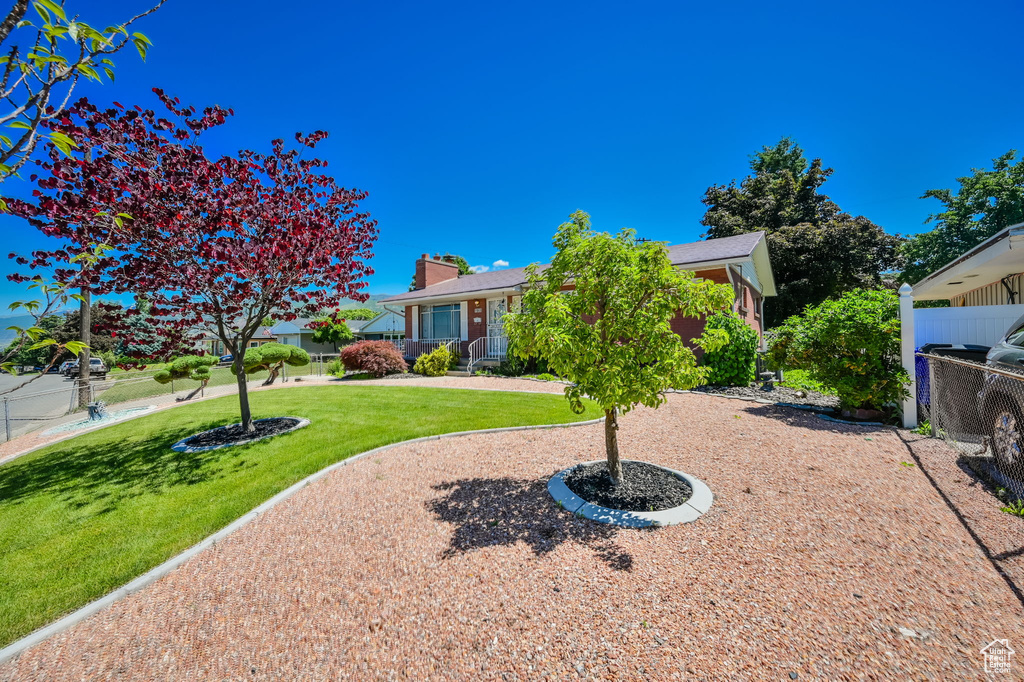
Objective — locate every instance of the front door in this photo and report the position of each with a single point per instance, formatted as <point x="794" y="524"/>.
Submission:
<point x="496" y="309"/>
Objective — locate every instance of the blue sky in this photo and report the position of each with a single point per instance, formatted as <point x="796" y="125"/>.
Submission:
<point x="478" y="127"/>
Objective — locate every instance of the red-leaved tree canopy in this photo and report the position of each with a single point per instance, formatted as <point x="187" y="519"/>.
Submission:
<point x="215" y="245"/>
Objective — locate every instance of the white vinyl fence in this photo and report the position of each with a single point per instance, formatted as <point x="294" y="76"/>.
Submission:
<point x="983" y="325"/>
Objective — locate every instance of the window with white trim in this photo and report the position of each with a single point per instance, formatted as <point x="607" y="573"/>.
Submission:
<point x="440" y="321"/>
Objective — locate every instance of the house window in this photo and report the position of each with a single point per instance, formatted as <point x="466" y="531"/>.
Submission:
<point x="440" y="321"/>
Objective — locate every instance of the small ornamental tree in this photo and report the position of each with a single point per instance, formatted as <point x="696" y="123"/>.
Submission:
<point x="734" y="363"/>
<point x="377" y="358"/>
<point x="331" y="330"/>
<point x="215" y="245"/>
<point x="194" y="367"/>
<point x="272" y="357"/>
<point x="609" y="333"/>
<point x="851" y="344"/>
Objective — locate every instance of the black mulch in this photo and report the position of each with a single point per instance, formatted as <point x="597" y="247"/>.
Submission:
<point x="644" y="487"/>
<point x="234" y="433"/>
<point x="777" y="394"/>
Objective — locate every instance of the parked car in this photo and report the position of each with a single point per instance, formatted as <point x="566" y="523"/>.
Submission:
<point x="1001" y="401"/>
<point x="97" y="368"/>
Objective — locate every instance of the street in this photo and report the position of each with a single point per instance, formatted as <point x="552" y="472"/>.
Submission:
<point x="45" y="399"/>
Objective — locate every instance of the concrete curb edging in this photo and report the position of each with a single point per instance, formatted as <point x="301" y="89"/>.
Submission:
<point x="19" y="646"/>
<point x="181" y="447"/>
<point x="688" y="512"/>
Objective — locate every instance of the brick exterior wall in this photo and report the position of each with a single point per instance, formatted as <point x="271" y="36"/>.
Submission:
<point x="692" y="327"/>
<point x="430" y="271"/>
<point x="408" y="322"/>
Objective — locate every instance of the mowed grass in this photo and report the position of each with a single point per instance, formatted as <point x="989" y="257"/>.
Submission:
<point x="131" y="386"/>
<point x="82" y="517"/>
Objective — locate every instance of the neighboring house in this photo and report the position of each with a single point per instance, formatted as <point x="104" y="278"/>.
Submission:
<point x="469" y="309"/>
<point x="983" y="287"/>
<point x="388" y="326"/>
<point x="214" y="346"/>
<point x="298" y="333"/>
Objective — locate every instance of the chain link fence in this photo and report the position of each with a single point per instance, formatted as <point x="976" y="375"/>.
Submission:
<point x="29" y="409"/>
<point x="979" y="411"/>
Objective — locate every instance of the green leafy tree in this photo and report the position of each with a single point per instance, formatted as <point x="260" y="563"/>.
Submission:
<point x="26" y="355"/>
<point x="193" y="367"/>
<point x="986" y="202"/>
<point x="45" y="55"/>
<point x="331" y="330"/>
<point x="850" y="344"/>
<point x="817" y="250"/>
<point x="734" y="363"/>
<point x="610" y="333"/>
<point x="272" y="357"/>
<point x="358" y="313"/>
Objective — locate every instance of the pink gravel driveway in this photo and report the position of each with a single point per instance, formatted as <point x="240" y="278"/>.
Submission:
<point x="448" y="560"/>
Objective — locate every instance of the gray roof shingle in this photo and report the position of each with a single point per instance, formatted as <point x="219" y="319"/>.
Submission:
<point x="725" y="248"/>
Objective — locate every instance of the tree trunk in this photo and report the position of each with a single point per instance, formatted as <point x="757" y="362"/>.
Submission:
<point x="84" y="334"/>
<point x="274" y="371"/>
<point x="193" y="394"/>
<point x="243" y="396"/>
<point x="611" y="445"/>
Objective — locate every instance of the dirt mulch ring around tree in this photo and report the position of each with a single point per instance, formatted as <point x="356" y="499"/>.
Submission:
<point x="822" y="556"/>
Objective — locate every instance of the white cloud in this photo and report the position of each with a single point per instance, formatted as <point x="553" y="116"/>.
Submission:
<point x="500" y="264"/>
<point x="478" y="268"/>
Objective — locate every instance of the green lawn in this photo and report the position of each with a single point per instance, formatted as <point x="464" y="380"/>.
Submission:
<point x="82" y="517"/>
<point x="136" y="387"/>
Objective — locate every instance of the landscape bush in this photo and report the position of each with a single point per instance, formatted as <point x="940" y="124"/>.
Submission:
<point x="850" y="344"/>
<point x="435" y="363"/>
<point x="733" y="364"/>
<point x="335" y="368"/>
<point x="378" y="358"/>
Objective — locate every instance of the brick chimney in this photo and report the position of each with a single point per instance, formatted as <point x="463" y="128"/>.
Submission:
<point x="431" y="271"/>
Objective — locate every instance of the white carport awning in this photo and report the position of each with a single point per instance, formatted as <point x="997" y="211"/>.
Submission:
<point x="988" y="262"/>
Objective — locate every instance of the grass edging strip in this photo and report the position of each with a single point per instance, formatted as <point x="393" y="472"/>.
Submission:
<point x="19" y="646"/>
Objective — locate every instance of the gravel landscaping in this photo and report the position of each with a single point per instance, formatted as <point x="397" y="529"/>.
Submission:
<point x="776" y="394"/>
<point x="644" y="487"/>
<point x="822" y="557"/>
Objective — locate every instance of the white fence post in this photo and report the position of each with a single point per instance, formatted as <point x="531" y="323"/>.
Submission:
<point x="907" y="354"/>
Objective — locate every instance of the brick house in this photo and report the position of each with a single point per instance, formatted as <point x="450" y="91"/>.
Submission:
<point x="467" y="310"/>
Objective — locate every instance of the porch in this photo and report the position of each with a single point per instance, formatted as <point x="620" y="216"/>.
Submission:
<point x="473" y="328"/>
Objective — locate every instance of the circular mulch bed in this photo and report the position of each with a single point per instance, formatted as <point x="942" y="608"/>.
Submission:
<point x="227" y="436"/>
<point x="644" y="488"/>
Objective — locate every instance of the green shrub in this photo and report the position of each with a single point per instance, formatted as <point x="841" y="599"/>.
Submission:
<point x="335" y="368"/>
<point x="733" y="364"/>
<point x="850" y="344"/>
<point x="194" y="367"/>
<point x="547" y="377"/>
<point x="798" y="379"/>
<point x="435" y="363"/>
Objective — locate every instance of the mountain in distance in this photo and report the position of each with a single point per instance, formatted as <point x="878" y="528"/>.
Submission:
<point x="8" y="335"/>
<point x="373" y="303"/>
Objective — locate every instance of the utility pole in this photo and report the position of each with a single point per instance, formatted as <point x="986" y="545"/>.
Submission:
<point x="84" y="331"/>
